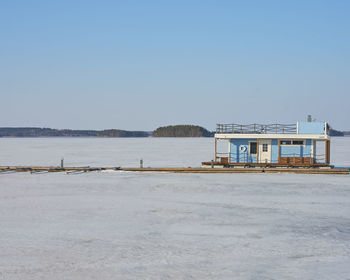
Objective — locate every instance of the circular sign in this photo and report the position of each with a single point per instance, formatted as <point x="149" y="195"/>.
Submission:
<point x="243" y="148"/>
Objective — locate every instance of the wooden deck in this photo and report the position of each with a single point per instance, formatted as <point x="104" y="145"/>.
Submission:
<point x="291" y="164"/>
<point x="82" y="169"/>
<point x="244" y="170"/>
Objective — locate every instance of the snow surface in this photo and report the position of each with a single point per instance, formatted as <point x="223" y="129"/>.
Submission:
<point x="124" y="225"/>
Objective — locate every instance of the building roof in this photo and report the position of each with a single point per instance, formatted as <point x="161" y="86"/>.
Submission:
<point x="301" y="130"/>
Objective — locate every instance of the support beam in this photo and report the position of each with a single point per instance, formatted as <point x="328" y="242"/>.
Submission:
<point x="257" y="150"/>
<point x="229" y="151"/>
<point x="215" y="149"/>
<point x="328" y="152"/>
<point x="279" y="150"/>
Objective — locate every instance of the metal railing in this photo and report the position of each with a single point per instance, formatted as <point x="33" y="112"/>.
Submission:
<point x="245" y="158"/>
<point x="257" y="128"/>
<point x="318" y="158"/>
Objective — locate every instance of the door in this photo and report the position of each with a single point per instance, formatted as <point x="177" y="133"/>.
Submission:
<point x="264" y="155"/>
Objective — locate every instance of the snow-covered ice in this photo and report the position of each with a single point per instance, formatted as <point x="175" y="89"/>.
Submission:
<point x="124" y="225"/>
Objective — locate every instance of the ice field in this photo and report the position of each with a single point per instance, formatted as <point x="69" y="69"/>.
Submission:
<point x="124" y="225"/>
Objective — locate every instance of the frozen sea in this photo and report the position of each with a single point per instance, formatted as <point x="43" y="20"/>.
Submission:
<point x="124" y="225"/>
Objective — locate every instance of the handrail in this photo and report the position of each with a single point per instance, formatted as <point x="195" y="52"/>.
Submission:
<point x="257" y="128"/>
<point x="245" y="158"/>
<point x="316" y="156"/>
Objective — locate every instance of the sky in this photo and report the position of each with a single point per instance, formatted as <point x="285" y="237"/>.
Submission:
<point x="138" y="65"/>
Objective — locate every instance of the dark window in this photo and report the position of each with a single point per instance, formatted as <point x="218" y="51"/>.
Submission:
<point x="286" y="142"/>
<point x="298" y="142"/>
<point x="265" y="148"/>
<point x="252" y="148"/>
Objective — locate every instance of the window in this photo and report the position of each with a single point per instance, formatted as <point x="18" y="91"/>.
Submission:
<point x="252" y="148"/>
<point x="265" y="148"/>
<point x="298" y="142"/>
<point x="292" y="142"/>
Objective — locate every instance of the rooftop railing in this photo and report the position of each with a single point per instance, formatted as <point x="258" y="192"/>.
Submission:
<point x="257" y="128"/>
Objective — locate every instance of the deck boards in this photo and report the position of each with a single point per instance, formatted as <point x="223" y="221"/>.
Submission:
<point x="40" y="169"/>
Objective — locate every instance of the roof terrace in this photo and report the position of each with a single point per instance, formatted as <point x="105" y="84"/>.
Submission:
<point x="299" y="128"/>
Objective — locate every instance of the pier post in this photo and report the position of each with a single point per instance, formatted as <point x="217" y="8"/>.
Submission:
<point x="141" y="163"/>
<point x="62" y="162"/>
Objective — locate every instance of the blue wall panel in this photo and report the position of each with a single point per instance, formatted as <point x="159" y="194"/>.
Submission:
<point x="296" y="150"/>
<point x="311" y="128"/>
<point x="274" y="151"/>
<point x="307" y="148"/>
<point x="291" y="151"/>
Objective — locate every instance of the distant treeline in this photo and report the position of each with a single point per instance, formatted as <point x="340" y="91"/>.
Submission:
<point x="122" y="133"/>
<point x="49" y="132"/>
<point x="166" y="131"/>
<point x="333" y="132"/>
<point x="182" y="131"/>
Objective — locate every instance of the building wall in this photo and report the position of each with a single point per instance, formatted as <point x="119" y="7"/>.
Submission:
<point x="237" y="155"/>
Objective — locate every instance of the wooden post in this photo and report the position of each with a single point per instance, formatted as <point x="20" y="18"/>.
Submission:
<point x="215" y="149"/>
<point x="328" y="152"/>
<point x="279" y="150"/>
<point x="229" y="151"/>
<point x="257" y="150"/>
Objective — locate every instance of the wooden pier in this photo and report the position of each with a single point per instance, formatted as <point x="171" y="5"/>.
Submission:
<point x="243" y="170"/>
<point x="41" y="169"/>
<point x="83" y="169"/>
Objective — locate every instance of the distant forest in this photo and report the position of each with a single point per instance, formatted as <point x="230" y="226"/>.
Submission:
<point x="333" y="132"/>
<point x="182" y="131"/>
<point x="49" y="132"/>
<point x="166" y="131"/>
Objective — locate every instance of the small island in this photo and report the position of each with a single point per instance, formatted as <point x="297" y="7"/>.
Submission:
<point x="182" y="131"/>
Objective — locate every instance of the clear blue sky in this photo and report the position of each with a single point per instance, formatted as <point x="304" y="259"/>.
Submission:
<point x="142" y="64"/>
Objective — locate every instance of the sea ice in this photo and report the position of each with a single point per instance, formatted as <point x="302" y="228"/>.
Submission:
<point x="124" y="225"/>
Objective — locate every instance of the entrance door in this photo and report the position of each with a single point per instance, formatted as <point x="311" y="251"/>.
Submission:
<point x="264" y="151"/>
